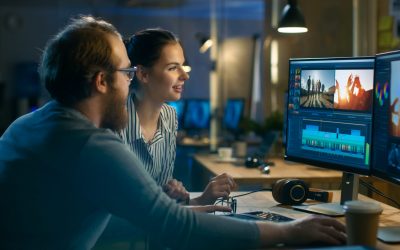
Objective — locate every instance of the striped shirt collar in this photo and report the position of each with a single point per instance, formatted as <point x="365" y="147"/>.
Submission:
<point x="162" y="125"/>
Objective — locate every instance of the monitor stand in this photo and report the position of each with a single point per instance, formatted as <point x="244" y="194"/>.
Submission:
<point x="349" y="191"/>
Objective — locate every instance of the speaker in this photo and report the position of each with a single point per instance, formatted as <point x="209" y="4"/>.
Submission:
<point x="295" y="192"/>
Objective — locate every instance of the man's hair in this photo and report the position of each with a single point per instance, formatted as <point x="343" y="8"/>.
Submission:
<point x="74" y="56"/>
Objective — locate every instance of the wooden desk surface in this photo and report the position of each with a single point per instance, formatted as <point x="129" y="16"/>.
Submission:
<point x="281" y="170"/>
<point x="264" y="201"/>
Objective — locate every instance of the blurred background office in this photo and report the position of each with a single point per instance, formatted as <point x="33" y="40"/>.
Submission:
<point x="250" y="58"/>
<point x="237" y="56"/>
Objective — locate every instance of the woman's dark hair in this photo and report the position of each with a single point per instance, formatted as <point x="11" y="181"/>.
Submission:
<point x="144" y="47"/>
<point x="74" y="56"/>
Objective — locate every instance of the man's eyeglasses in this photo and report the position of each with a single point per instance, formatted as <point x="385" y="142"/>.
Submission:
<point x="130" y="72"/>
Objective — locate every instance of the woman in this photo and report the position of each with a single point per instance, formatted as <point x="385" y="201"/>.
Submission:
<point x="152" y="127"/>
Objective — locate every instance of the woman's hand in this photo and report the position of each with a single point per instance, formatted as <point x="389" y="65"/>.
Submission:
<point x="219" y="186"/>
<point x="175" y="190"/>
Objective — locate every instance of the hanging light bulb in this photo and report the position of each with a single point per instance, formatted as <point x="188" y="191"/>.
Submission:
<point x="292" y="20"/>
<point x="205" y="42"/>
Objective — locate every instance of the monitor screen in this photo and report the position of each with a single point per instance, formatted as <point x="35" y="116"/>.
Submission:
<point x="329" y="120"/>
<point x="179" y="106"/>
<point x="197" y="114"/>
<point x="329" y="116"/>
<point x="233" y="112"/>
<point x="386" y="128"/>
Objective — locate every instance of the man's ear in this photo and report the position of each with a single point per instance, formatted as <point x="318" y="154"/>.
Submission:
<point x="100" y="83"/>
<point x="142" y="74"/>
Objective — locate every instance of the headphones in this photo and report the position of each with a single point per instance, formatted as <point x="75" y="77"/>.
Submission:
<point x="295" y="192"/>
<point x="286" y="192"/>
<point x="253" y="161"/>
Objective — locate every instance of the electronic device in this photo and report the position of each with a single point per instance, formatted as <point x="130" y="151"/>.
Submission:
<point x="284" y="191"/>
<point x="233" y="113"/>
<point x="258" y="162"/>
<point x="261" y="215"/>
<point x="329" y="120"/>
<point x="197" y="114"/>
<point x="386" y="128"/>
<point x="179" y="106"/>
<point x="295" y="192"/>
<point x="284" y="118"/>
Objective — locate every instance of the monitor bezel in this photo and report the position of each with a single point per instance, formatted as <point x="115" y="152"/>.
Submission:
<point x="375" y="172"/>
<point x="319" y="164"/>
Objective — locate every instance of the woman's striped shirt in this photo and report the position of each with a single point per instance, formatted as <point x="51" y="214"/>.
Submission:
<point x="158" y="155"/>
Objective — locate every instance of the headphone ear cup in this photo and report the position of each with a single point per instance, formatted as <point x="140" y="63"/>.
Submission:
<point x="290" y="191"/>
<point x="277" y="190"/>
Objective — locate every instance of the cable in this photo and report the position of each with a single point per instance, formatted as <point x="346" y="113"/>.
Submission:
<point x="377" y="191"/>
<point x="231" y="201"/>
<point x="259" y="190"/>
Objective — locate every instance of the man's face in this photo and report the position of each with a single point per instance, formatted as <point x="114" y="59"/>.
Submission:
<point x="115" y="115"/>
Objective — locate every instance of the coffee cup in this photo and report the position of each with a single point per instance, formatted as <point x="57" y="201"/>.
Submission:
<point x="225" y="153"/>
<point x="362" y="219"/>
<point x="240" y="149"/>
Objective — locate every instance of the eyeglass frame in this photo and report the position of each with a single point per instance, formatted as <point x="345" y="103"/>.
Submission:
<point x="130" y="72"/>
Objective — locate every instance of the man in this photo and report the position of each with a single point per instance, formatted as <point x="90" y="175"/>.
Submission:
<point x="63" y="172"/>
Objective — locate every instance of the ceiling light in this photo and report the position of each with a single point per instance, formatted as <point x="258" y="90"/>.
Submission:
<point x="292" y="21"/>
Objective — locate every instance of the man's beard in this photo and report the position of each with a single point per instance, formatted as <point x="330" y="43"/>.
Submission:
<point x="116" y="115"/>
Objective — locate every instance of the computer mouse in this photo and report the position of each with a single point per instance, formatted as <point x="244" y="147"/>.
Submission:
<point x="265" y="169"/>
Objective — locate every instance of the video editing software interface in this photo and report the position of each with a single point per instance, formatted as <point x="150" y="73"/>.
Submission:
<point x="329" y="115"/>
<point x="386" y="134"/>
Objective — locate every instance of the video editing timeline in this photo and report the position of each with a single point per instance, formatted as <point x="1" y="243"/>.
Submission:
<point x="330" y="112"/>
<point x="338" y="143"/>
<point x="386" y="135"/>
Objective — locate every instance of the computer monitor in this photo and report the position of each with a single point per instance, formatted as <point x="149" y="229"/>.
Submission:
<point x="179" y="106"/>
<point x="329" y="119"/>
<point x="233" y="112"/>
<point x="285" y="99"/>
<point x="386" y="126"/>
<point x="197" y="115"/>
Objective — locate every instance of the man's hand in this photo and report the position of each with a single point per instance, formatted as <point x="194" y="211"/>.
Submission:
<point x="175" y="190"/>
<point x="210" y="208"/>
<point x="219" y="186"/>
<point x="311" y="229"/>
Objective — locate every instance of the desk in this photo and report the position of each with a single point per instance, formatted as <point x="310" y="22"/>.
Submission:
<point x="207" y="166"/>
<point x="264" y="201"/>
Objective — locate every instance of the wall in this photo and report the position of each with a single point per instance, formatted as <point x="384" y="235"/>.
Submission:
<point x="330" y="34"/>
<point x="25" y="30"/>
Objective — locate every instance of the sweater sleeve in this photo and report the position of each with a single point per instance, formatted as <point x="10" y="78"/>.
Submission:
<point x="112" y="178"/>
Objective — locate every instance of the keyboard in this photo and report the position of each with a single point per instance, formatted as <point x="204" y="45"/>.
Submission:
<point x="261" y="215"/>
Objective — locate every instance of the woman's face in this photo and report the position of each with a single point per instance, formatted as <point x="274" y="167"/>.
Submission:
<point x="164" y="81"/>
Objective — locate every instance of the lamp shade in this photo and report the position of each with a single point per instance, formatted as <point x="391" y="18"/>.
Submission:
<point x="205" y="42"/>
<point x="292" y="21"/>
